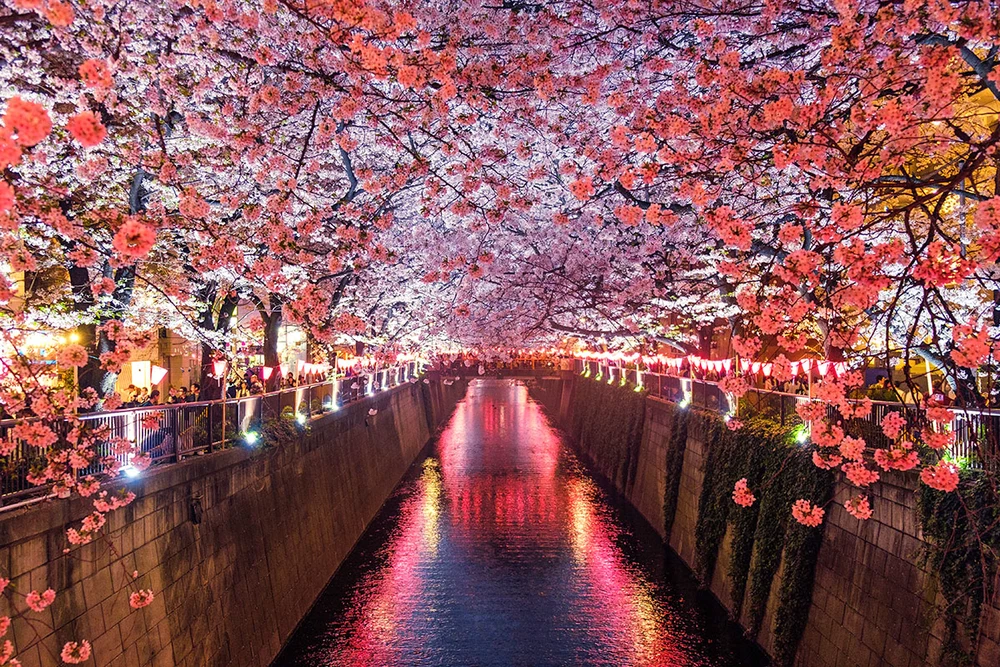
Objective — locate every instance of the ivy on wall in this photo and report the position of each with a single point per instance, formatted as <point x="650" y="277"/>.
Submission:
<point x="279" y="432"/>
<point x="723" y="463"/>
<point x="606" y="423"/>
<point x="677" y="423"/>
<point x="962" y="536"/>
<point x="760" y="536"/>
<point x="801" y="479"/>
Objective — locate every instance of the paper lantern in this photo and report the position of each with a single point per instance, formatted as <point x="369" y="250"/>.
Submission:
<point x="794" y="368"/>
<point x="219" y="367"/>
<point x="755" y="367"/>
<point x="840" y="367"/>
<point x="806" y="364"/>
<point x="744" y="365"/>
<point x="767" y="368"/>
<point x="301" y="366"/>
<point x="266" y="372"/>
<point x="156" y="374"/>
<point x="727" y="364"/>
<point x="823" y="367"/>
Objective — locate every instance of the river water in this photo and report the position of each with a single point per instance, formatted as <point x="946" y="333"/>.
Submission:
<point x="498" y="548"/>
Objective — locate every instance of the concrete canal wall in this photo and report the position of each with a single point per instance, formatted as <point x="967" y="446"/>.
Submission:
<point x="871" y="603"/>
<point x="236" y="545"/>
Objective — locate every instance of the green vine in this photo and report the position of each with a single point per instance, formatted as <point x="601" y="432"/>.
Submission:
<point x="724" y="462"/>
<point x="761" y="536"/>
<point x="279" y="432"/>
<point x="962" y="539"/>
<point x="677" y="420"/>
<point x="606" y="423"/>
<point x="801" y="479"/>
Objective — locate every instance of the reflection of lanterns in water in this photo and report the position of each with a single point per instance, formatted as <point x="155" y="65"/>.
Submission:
<point x="627" y="601"/>
<point x="430" y="506"/>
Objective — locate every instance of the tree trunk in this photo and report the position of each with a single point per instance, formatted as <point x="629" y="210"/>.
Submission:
<point x="272" y="327"/>
<point x="93" y="375"/>
<point x="211" y="388"/>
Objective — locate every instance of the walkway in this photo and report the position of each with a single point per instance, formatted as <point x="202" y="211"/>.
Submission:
<point x="499" y="549"/>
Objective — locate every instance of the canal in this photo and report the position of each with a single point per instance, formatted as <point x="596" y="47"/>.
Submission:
<point x="498" y="548"/>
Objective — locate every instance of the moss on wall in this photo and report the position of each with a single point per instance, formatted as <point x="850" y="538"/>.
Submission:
<point x="606" y="423"/>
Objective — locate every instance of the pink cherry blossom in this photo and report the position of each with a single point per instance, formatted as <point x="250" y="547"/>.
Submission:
<point x="72" y="356"/>
<point x="28" y="120"/>
<point x="892" y="424"/>
<point x="859" y="474"/>
<point x="134" y="239"/>
<point x="96" y="73"/>
<point x="900" y="456"/>
<point x="39" y="601"/>
<point x="742" y="495"/>
<point x="973" y="344"/>
<point x="87" y="129"/>
<point x="943" y="476"/>
<point x="74" y="653"/>
<point x="807" y="514"/>
<point x="859" y="508"/>
<point x="141" y="598"/>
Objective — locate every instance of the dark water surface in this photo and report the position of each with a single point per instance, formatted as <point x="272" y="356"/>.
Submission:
<point x="498" y="548"/>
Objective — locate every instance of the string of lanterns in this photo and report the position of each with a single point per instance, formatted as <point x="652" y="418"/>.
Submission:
<point x="722" y="366"/>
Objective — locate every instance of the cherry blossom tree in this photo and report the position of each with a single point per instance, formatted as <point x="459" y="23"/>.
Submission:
<point x="821" y="178"/>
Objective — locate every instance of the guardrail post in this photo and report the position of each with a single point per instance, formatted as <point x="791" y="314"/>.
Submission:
<point x="209" y="421"/>
<point x="176" y="431"/>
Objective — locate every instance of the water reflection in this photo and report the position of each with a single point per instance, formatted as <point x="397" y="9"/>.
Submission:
<point x="499" y="549"/>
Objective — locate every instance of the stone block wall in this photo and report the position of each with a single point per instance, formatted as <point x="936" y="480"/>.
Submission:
<point x="681" y="538"/>
<point x="236" y="545"/>
<point x="872" y="604"/>
<point x="871" y="592"/>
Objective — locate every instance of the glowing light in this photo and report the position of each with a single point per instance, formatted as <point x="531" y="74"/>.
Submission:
<point x="301" y="418"/>
<point x="802" y="434"/>
<point x="219" y="367"/>
<point x="266" y="372"/>
<point x="156" y="374"/>
<point x="131" y="471"/>
<point x="251" y="438"/>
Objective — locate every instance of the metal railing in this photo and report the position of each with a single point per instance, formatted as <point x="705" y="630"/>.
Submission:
<point x="170" y="433"/>
<point x="976" y="432"/>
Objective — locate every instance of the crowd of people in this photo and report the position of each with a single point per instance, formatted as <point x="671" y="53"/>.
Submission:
<point x="239" y="385"/>
<point x="140" y="397"/>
